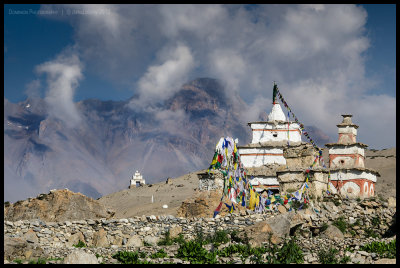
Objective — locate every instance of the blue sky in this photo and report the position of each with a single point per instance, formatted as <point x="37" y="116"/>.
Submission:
<point x="341" y="56"/>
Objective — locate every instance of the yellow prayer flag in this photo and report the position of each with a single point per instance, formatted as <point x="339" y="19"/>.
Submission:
<point x="252" y="200"/>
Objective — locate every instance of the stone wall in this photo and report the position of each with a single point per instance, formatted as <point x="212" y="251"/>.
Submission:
<point x="212" y="181"/>
<point x="106" y="237"/>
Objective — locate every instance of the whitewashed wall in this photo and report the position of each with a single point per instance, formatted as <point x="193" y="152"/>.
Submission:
<point x="265" y="132"/>
<point x="256" y="157"/>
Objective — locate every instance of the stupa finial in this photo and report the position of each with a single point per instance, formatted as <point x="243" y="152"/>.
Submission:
<point x="274" y="92"/>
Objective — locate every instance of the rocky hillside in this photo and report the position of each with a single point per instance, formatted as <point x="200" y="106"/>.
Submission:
<point x="58" y="205"/>
<point x="342" y="227"/>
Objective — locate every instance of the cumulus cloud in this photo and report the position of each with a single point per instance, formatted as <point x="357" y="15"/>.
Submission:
<point x="162" y="80"/>
<point x="316" y="54"/>
<point x="63" y="75"/>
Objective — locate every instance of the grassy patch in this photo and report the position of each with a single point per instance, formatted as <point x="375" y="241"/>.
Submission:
<point x="384" y="250"/>
<point x="129" y="257"/>
<point x="194" y="252"/>
<point x="341" y="224"/>
<point x="80" y="244"/>
<point x="159" y="254"/>
<point x="329" y="257"/>
<point x="369" y="232"/>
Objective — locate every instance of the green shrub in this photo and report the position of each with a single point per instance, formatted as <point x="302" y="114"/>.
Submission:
<point x="341" y="224"/>
<point x="179" y="240"/>
<point x="166" y="241"/>
<point x="194" y="252"/>
<point x="146" y="244"/>
<point x="80" y="244"/>
<point x="290" y="252"/>
<point x="159" y="254"/>
<point x="384" y="250"/>
<point x="369" y="232"/>
<point x="375" y="221"/>
<point x="219" y="237"/>
<point x="129" y="257"/>
<point x="323" y="227"/>
<point x="38" y="261"/>
<point x="237" y="238"/>
<point x="328" y="256"/>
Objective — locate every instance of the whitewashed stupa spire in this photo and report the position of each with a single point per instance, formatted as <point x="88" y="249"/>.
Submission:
<point x="276" y="114"/>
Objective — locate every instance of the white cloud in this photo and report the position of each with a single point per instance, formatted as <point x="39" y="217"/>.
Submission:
<point x="63" y="76"/>
<point x="316" y="54"/>
<point x="162" y="80"/>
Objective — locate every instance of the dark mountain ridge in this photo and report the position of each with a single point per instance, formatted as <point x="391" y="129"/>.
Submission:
<point x="112" y="141"/>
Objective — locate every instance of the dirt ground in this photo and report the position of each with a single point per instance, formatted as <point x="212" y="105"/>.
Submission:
<point x="138" y="201"/>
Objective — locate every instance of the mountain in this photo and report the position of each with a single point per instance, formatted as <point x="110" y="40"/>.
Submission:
<point x="100" y="155"/>
<point x="113" y="140"/>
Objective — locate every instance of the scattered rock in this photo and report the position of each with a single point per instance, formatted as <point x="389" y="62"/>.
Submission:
<point x="386" y="261"/>
<point x="80" y="257"/>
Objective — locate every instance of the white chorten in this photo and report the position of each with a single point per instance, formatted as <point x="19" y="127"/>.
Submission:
<point x="137" y="180"/>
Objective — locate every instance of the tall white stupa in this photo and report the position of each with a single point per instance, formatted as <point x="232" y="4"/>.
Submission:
<point x="265" y="154"/>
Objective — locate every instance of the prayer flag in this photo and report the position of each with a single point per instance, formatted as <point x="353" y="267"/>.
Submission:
<point x="217" y="210"/>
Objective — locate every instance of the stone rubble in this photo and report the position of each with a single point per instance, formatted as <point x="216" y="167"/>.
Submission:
<point x="105" y="237"/>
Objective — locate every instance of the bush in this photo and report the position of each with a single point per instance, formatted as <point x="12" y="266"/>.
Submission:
<point x="236" y="237"/>
<point x="219" y="237"/>
<point x="159" y="254"/>
<point x="194" y="252"/>
<point x="384" y="250"/>
<point x="80" y="244"/>
<point x="369" y="232"/>
<point x="375" y="221"/>
<point x="323" y="227"/>
<point x="129" y="257"/>
<point x="340" y="224"/>
<point x="290" y="252"/>
<point x="168" y="241"/>
<point x="328" y="256"/>
<point x="38" y="261"/>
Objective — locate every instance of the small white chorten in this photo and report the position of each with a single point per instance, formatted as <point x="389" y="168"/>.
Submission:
<point x="137" y="180"/>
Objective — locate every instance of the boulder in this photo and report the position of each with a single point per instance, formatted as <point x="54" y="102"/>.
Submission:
<point x="74" y="239"/>
<point x="80" y="257"/>
<point x="30" y="236"/>
<point x="19" y="248"/>
<point x="275" y="227"/>
<point x="175" y="231"/>
<point x="100" y="238"/>
<point x="134" y="241"/>
<point x="152" y="240"/>
<point x="333" y="232"/>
